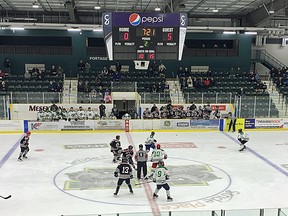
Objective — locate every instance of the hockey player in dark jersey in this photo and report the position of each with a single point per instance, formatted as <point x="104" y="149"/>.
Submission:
<point x="115" y="145"/>
<point x="24" y="146"/>
<point x="124" y="172"/>
<point x="128" y="153"/>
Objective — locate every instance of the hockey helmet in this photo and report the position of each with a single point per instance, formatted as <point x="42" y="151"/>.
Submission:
<point x="158" y="146"/>
<point x="130" y="147"/>
<point x="240" y="130"/>
<point x="152" y="133"/>
<point x="124" y="160"/>
<point x="28" y="133"/>
<point x="140" y="146"/>
<point x="118" y="137"/>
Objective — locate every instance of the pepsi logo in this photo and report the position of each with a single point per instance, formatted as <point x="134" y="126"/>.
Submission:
<point x="135" y="19"/>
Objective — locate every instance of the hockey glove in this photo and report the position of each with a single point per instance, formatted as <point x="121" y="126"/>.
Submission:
<point x="131" y="176"/>
<point x="154" y="180"/>
<point x="166" y="177"/>
<point x="116" y="174"/>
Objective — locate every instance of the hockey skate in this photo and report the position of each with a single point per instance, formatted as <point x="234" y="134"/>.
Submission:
<point x="131" y="191"/>
<point x="242" y="149"/>
<point x="24" y="156"/>
<point x="169" y="199"/>
<point x="115" y="194"/>
<point x="19" y="159"/>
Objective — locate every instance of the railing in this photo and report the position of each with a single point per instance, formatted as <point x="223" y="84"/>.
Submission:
<point x="247" y="106"/>
<point x="263" y="55"/>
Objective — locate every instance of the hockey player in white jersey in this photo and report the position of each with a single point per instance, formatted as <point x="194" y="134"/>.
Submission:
<point x="81" y="113"/>
<point x="90" y="114"/>
<point x="160" y="177"/>
<point x="242" y="138"/>
<point x="40" y="115"/>
<point x="150" y="142"/>
<point x="158" y="154"/>
<point x="72" y="114"/>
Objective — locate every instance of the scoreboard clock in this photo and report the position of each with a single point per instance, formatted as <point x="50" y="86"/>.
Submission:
<point x="144" y="36"/>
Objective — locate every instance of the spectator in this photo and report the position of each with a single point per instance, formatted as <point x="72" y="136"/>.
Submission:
<point x="115" y="111"/>
<point x="154" y="107"/>
<point x="35" y="72"/>
<point x="7" y="66"/>
<point x="206" y="83"/>
<point x="4" y="86"/>
<point x="60" y="71"/>
<point x="116" y="76"/>
<point x="53" y="71"/>
<point x="59" y="86"/>
<point x="51" y="86"/>
<point x="133" y="113"/>
<point x="81" y="66"/>
<point x="102" y="109"/>
<point x="87" y="67"/>
<point x="27" y="75"/>
<point x="118" y="66"/>
<point x="107" y="98"/>
<point x="93" y="93"/>
<point x="189" y="82"/>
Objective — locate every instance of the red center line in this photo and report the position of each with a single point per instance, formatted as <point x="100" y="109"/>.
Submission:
<point x="148" y="190"/>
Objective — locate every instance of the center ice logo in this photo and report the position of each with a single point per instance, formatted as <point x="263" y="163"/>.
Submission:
<point x="134" y="19"/>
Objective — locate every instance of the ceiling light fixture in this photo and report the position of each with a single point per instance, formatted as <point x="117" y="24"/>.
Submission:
<point x="74" y="29"/>
<point x="250" y="33"/>
<point x="215" y="10"/>
<point x="157" y="9"/>
<point x="229" y="32"/>
<point x="97" y="7"/>
<point x="271" y="11"/>
<point x="17" y="28"/>
<point x="35" y="4"/>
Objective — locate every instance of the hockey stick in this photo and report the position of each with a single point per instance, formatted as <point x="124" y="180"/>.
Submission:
<point x="5" y="197"/>
<point x="140" y="183"/>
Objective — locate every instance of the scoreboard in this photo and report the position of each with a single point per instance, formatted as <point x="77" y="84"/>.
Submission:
<point x="144" y="36"/>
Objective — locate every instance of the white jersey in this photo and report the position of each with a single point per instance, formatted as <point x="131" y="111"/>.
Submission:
<point x="81" y="114"/>
<point x="243" y="136"/>
<point x="72" y="114"/>
<point x="48" y="116"/>
<point x="157" y="155"/>
<point x="160" y="175"/>
<point x="150" y="140"/>
<point x="90" y="114"/>
<point x="40" y="116"/>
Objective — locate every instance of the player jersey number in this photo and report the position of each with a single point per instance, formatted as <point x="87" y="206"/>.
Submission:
<point x="125" y="170"/>
<point x="157" y="154"/>
<point x="159" y="173"/>
<point x="141" y="154"/>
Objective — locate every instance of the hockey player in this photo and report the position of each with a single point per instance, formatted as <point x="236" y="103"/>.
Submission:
<point x="72" y="114"/>
<point x="40" y="115"/>
<point x="141" y="157"/>
<point x="81" y="113"/>
<point x="128" y="153"/>
<point x="90" y="115"/>
<point x="242" y="138"/>
<point x="24" y="146"/>
<point x="158" y="154"/>
<point x="115" y="145"/>
<point x="124" y="172"/>
<point x="160" y="177"/>
<point x="150" y="142"/>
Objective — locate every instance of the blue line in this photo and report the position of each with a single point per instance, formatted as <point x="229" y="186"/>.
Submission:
<point x="9" y="153"/>
<point x="259" y="156"/>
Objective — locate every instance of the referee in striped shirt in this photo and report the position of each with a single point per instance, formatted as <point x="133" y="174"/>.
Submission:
<point x="141" y="157"/>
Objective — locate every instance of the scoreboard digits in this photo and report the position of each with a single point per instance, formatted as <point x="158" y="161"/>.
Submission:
<point x="144" y="36"/>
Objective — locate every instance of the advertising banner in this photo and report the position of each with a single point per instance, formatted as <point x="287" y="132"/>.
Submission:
<point x="76" y="125"/>
<point x="43" y="126"/>
<point x="166" y="124"/>
<point x="239" y="124"/>
<point x="269" y="123"/>
<point x="213" y="123"/>
<point x="249" y="123"/>
<point x="181" y="124"/>
<point x="7" y="125"/>
<point x="109" y="125"/>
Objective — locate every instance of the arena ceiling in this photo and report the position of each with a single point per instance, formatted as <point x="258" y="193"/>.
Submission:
<point x="208" y="13"/>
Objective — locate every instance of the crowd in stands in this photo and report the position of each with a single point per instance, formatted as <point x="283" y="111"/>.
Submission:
<point x="186" y="80"/>
<point x="192" y="112"/>
<point x="256" y="81"/>
<point x="279" y="76"/>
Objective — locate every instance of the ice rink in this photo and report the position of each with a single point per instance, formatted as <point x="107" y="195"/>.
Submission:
<point x="72" y="174"/>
